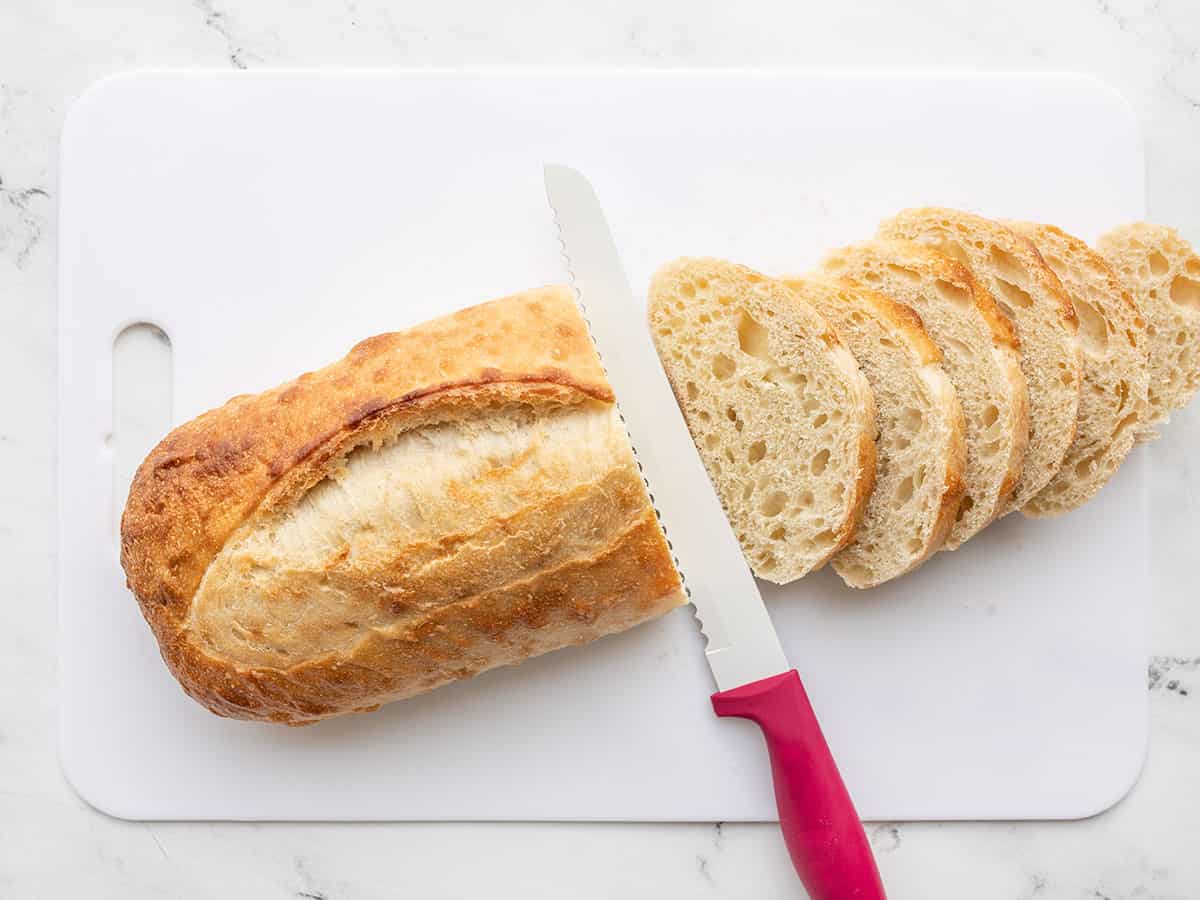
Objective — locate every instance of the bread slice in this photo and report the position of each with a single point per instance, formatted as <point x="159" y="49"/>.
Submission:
<point x="979" y="356"/>
<point x="780" y="413"/>
<point x="1163" y="273"/>
<point x="1112" y="337"/>
<point x="920" y="449"/>
<point x="1031" y="296"/>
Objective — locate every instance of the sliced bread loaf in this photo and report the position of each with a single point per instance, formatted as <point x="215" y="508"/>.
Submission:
<point x="780" y="413"/>
<point x="1112" y="336"/>
<point x="920" y="451"/>
<point x="979" y="356"/>
<point x="1163" y="273"/>
<point x="1034" y="300"/>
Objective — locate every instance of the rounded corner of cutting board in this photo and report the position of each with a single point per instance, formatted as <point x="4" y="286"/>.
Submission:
<point x="1106" y="794"/>
<point x="85" y="783"/>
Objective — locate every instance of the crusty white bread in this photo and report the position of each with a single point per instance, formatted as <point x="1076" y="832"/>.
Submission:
<point x="1031" y="296"/>
<point x="979" y="357"/>
<point x="920" y="448"/>
<point x="1163" y="272"/>
<point x="782" y="416"/>
<point x="1112" y="336"/>
<point x="439" y="502"/>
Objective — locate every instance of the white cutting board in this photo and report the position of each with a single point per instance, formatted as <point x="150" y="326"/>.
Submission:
<point x="268" y="221"/>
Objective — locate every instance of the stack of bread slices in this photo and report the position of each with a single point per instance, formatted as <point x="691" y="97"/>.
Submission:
<point x="923" y="383"/>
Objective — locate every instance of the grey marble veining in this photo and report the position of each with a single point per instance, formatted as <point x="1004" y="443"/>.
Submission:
<point x="52" y="845"/>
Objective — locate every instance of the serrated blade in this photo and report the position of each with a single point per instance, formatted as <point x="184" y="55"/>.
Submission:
<point x="742" y="644"/>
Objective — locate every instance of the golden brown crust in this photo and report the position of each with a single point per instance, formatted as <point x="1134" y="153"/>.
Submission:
<point x="258" y="455"/>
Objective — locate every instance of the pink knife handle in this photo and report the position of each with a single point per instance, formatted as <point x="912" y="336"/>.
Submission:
<point x="822" y="831"/>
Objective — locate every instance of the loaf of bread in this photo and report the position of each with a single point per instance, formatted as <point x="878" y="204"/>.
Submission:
<point x="440" y="502"/>
<point x="1032" y="297"/>
<point x="778" y="409"/>
<point x="979" y="351"/>
<point x="920" y="452"/>
<point x="1112" y="336"/>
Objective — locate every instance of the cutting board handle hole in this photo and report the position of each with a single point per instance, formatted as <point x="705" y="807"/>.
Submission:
<point x="142" y="389"/>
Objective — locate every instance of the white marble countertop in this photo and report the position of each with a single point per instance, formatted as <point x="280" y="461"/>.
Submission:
<point x="52" y="845"/>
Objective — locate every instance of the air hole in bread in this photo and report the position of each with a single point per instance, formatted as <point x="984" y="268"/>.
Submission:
<point x="1186" y="291"/>
<point x="773" y="504"/>
<point x="1013" y="294"/>
<point x="752" y="338"/>
<point x="824" y="538"/>
<point x="757" y="451"/>
<point x="747" y="490"/>
<point x="692" y="391"/>
<point x="778" y="534"/>
<point x="820" y="420"/>
<point x="805" y="499"/>
<point x="729" y="454"/>
<point x="954" y="251"/>
<point x="886" y="342"/>
<point x="904" y="273"/>
<point x="1158" y="263"/>
<point x="914" y="545"/>
<point x="904" y="491"/>
<point x="1192" y="267"/>
<point x="688" y="290"/>
<point x="725" y="300"/>
<point x="959" y="296"/>
<point x="702" y="284"/>
<point x="872" y="277"/>
<point x="1180" y="339"/>
<point x="723" y="366"/>
<point x="731" y="414"/>
<point x="1056" y="264"/>
<point x="711" y="441"/>
<point x="1093" y="328"/>
<point x="820" y="461"/>
<point x="964" y="507"/>
<point x="703" y="415"/>
<point x="990" y="415"/>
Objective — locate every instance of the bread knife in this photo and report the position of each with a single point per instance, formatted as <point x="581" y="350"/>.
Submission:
<point x="821" y="828"/>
